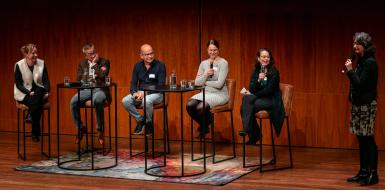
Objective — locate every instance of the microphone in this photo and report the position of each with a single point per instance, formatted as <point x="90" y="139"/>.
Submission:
<point x="263" y="70"/>
<point x="211" y="66"/>
<point x="352" y="57"/>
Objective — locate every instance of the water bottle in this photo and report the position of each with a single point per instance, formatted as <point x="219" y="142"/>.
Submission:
<point x="91" y="76"/>
<point x="173" y="79"/>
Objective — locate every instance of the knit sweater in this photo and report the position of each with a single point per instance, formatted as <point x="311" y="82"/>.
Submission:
<point x="215" y="85"/>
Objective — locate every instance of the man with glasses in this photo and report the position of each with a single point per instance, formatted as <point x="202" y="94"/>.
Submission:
<point x="148" y="71"/>
<point x="92" y="69"/>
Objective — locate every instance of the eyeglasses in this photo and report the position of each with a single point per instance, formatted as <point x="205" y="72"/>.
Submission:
<point x="89" y="54"/>
<point x="148" y="54"/>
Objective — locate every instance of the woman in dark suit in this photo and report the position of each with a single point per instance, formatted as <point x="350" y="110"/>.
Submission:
<point x="363" y="93"/>
<point x="264" y="94"/>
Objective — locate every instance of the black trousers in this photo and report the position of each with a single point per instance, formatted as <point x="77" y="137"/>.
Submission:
<point x="368" y="153"/>
<point x="35" y="104"/>
<point x="251" y="105"/>
<point x="197" y="113"/>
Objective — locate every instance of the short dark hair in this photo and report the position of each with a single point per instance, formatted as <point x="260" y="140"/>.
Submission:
<point x="213" y="42"/>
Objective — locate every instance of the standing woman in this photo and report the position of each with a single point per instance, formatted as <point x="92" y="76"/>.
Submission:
<point x="31" y="86"/>
<point x="212" y="74"/>
<point x="363" y="93"/>
<point x="264" y="94"/>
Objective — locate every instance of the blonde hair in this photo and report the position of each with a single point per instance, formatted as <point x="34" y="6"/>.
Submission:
<point x="28" y="48"/>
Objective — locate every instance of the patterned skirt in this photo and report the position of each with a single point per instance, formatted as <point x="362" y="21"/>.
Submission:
<point x="362" y="119"/>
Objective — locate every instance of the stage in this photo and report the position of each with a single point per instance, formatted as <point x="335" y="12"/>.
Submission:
<point x="314" y="168"/>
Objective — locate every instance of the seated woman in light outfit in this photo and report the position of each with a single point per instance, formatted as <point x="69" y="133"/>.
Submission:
<point x="212" y="74"/>
<point x="264" y="94"/>
<point x="31" y="86"/>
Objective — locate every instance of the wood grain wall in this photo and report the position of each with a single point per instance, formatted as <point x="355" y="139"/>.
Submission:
<point x="309" y="40"/>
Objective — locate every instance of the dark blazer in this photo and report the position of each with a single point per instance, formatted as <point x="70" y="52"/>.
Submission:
<point x="102" y="68"/>
<point x="363" y="81"/>
<point x="270" y="90"/>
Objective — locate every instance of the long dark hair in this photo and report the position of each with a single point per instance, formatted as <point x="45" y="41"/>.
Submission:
<point x="270" y="66"/>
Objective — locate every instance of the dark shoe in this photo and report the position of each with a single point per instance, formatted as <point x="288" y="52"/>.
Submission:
<point x="149" y="128"/>
<point x="79" y="138"/>
<point x="101" y="137"/>
<point x="35" y="138"/>
<point x="28" y="118"/>
<point x="371" y="179"/>
<point x="202" y="134"/>
<point x="362" y="174"/>
<point x="242" y="133"/>
<point x="139" y="129"/>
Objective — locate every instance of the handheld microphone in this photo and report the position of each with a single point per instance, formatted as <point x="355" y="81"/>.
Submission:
<point x="211" y="66"/>
<point x="262" y="69"/>
<point x="352" y="57"/>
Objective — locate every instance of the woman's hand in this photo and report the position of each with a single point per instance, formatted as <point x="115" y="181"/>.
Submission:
<point x="348" y="64"/>
<point x="210" y="72"/>
<point x="46" y="95"/>
<point x="261" y="76"/>
<point x="246" y="92"/>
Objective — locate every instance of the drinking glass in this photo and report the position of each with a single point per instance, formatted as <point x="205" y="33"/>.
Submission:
<point x="108" y="80"/>
<point x="183" y="83"/>
<point x="66" y="81"/>
<point x="191" y="84"/>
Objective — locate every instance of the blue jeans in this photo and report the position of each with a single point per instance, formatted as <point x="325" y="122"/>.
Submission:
<point x="130" y="104"/>
<point x="98" y="98"/>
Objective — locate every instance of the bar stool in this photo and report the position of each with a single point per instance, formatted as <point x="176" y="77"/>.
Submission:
<point x="287" y="91"/>
<point x="23" y="108"/>
<point x="156" y="107"/>
<point x="87" y="105"/>
<point x="228" y="107"/>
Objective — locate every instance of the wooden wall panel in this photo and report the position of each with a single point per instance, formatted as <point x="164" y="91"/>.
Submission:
<point x="309" y="40"/>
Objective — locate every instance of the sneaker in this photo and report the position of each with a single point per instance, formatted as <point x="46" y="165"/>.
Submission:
<point x="139" y="129"/>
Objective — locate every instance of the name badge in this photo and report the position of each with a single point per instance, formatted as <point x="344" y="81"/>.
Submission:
<point x="215" y="68"/>
<point x="151" y="76"/>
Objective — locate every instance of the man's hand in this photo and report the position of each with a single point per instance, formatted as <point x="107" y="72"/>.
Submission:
<point x="96" y="58"/>
<point x="138" y="95"/>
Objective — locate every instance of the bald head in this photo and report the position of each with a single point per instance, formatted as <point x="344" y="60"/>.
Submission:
<point x="147" y="53"/>
<point x="145" y="48"/>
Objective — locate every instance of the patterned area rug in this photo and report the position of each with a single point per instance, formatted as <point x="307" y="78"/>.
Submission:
<point x="217" y="174"/>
